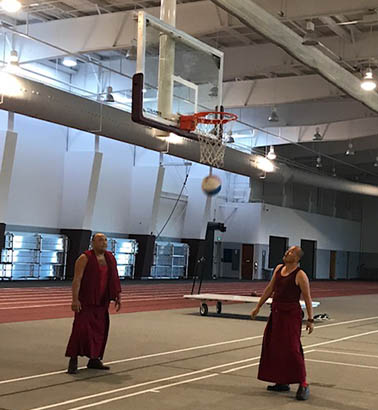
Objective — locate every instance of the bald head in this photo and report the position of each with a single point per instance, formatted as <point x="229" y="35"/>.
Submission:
<point x="293" y="255"/>
<point x="99" y="242"/>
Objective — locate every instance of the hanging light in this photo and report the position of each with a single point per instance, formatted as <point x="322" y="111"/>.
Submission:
<point x="271" y="154"/>
<point x="264" y="164"/>
<point x="213" y="92"/>
<point x="309" y="38"/>
<point x="350" y="151"/>
<point x="375" y="165"/>
<point x="229" y="139"/>
<point x="11" y="6"/>
<point x="131" y="53"/>
<point x="69" y="61"/>
<point x="273" y="117"/>
<point x="13" y="59"/>
<point x="263" y="175"/>
<point x="109" y="96"/>
<point x="317" y="136"/>
<point x="319" y="162"/>
<point x="368" y="83"/>
<point x="334" y="172"/>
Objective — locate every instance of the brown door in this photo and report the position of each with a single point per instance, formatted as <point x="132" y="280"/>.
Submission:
<point x="332" y="266"/>
<point x="247" y="262"/>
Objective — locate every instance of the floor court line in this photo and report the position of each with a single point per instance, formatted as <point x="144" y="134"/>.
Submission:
<point x="208" y="369"/>
<point x="187" y="349"/>
<point x="347" y="353"/>
<point x="343" y="364"/>
<point x="83" y="398"/>
<point x="107" y="401"/>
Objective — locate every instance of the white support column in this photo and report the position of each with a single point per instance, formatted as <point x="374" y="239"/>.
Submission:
<point x="166" y="60"/>
<point x="206" y="216"/>
<point x="157" y="196"/>
<point x="8" y="143"/>
<point x="81" y="178"/>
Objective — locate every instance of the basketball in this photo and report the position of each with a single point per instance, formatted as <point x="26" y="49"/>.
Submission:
<point x="211" y="185"/>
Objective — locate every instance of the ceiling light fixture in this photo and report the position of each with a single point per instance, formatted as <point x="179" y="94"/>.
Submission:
<point x="213" y="92"/>
<point x="109" y="96"/>
<point x="368" y="83"/>
<point x="350" y="151"/>
<point x="317" y="136"/>
<point x="69" y="62"/>
<point x="271" y="154"/>
<point x="309" y="38"/>
<point x="13" y="59"/>
<point x="11" y="6"/>
<point x="375" y="165"/>
<point x="229" y="139"/>
<point x="273" y="117"/>
<point x="319" y="162"/>
<point x="264" y="164"/>
<point x="131" y="53"/>
<point x="334" y="172"/>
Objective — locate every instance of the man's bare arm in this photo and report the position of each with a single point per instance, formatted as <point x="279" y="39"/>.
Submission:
<point x="80" y="265"/>
<point x="304" y="285"/>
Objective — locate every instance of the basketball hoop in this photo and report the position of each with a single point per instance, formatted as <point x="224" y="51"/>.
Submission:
<point x="212" y="129"/>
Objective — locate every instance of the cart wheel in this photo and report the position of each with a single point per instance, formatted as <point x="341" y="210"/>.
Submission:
<point x="219" y="308"/>
<point x="303" y="314"/>
<point x="204" y="310"/>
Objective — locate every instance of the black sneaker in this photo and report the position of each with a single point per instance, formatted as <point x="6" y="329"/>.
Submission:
<point x="303" y="393"/>
<point x="72" y="366"/>
<point x="96" y="364"/>
<point x="279" y="387"/>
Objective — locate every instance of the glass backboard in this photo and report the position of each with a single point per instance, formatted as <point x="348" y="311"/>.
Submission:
<point x="181" y="75"/>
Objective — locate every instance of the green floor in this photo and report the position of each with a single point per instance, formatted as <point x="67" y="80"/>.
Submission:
<point x="179" y="360"/>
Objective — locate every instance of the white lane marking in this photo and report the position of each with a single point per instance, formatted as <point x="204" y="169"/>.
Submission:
<point x="149" y="356"/>
<point x="208" y="369"/>
<point x="177" y="351"/>
<point x="58" y="404"/>
<point x="144" y="391"/>
<point x="347" y="353"/>
<point x="362" y="366"/>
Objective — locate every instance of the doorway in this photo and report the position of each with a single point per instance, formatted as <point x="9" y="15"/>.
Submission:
<point x="247" y="262"/>
<point x="277" y="249"/>
<point x="308" y="259"/>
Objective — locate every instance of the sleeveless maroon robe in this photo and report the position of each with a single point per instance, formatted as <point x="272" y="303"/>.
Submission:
<point x="282" y="359"/>
<point x="99" y="285"/>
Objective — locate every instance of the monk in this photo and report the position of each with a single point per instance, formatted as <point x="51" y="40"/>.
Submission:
<point x="96" y="283"/>
<point x="282" y="359"/>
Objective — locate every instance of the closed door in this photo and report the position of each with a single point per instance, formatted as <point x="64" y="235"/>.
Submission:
<point x="332" y="266"/>
<point x="308" y="259"/>
<point x="247" y="262"/>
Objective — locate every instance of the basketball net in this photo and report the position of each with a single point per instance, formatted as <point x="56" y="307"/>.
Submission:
<point x="212" y="129"/>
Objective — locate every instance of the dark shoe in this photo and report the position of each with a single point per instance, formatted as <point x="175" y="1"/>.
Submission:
<point x="279" y="387"/>
<point x="303" y="393"/>
<point x="97" y="364"/>
<point x="72" y="366"/>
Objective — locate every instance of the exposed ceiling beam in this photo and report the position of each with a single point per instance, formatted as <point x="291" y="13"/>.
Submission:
<point x="257" y="18"/>
<point x="303" y="10"/>
<point x="341" y="32"/>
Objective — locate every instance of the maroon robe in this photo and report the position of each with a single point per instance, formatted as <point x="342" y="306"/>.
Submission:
<point x="98" y="287"/>
<point x="282" y="359"/>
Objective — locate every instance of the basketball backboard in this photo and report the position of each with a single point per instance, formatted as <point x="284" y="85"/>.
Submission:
<point x="176" y="75"/>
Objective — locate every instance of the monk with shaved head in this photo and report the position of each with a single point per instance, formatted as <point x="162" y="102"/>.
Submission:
<point x="96" y="283"/>
<point x="282" y="360"/>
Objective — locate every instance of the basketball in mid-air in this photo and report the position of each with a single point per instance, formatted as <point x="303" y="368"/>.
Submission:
<point x="211" y="185"/>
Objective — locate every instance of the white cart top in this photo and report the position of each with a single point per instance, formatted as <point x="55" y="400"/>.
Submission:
<point x="237" y="298"/>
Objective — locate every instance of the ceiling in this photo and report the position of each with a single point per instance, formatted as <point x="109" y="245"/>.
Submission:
<point x="347" y="30"/>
